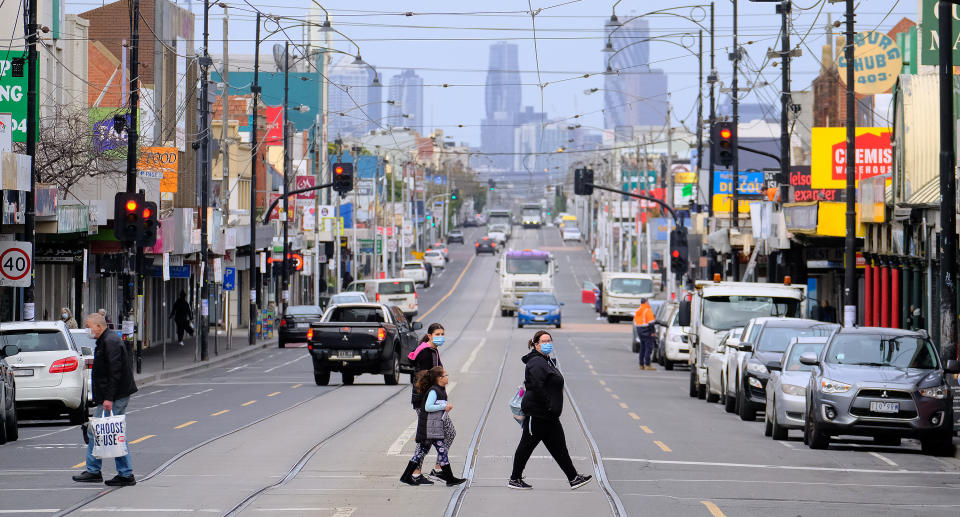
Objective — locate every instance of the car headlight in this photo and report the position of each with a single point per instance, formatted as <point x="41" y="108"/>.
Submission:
<point x="793" y="389"/>
<point x="831" y="386"/>
<point x="524" y="312"/>
<point x="675" y="338"/>
<point x="936" y="392"/>
<point x="757" y="368"/>
<point x="555" y="312"/>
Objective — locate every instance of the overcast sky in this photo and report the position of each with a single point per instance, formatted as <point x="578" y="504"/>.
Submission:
<point x="447" y="43"/>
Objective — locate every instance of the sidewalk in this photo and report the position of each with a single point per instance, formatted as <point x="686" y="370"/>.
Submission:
<point x="182" y="360"/>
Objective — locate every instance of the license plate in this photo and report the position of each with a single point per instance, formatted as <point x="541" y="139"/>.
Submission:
<point x="884" y="407"/>
<point x="539" y="319"/>
<point x="22" y="372"/>
<point x="303" y="325"/>
<point x="347" y="354"/>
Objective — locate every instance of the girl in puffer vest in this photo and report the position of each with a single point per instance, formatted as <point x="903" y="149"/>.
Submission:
<point x="435" y="408"/>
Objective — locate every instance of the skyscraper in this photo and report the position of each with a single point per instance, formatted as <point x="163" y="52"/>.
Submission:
<point x="502" y="102"/>
<point x="406" y="90"/>
<point x="355" y="99"/>
<point x="634" y="94"/>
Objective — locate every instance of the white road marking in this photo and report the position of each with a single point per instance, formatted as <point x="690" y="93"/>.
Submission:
<point x="150" y="510"/>
<point x="883" y="458"/>
<point x="493" y="315"/>
<point x="231" y="370"/>
<point x="285" y="364"/>
<point x="345" y="511"/>
<point x="785" y="444"/>
<point x="294" y="509"/>
<point x="784" y="467"/>
<point x="473" y="355"/>
<point x="407" y="433"/>
<point x="33" y="510"/>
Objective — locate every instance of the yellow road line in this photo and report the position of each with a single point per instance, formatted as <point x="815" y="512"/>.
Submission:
<point x="452" y="289"/>
<point x="607" y="389"/>
<point x="713" y="509"/>
<point x="218" y="413"/>
<point x="602" y="382"/>
<point x="248" y="403"/>
<point x="615" y="396"/>
<point x="296" y="386"/>
<point x="78" y="465"/>
<point x="274" y="394"/>
<point x="646" y="429"/>
<point x="634" y="415"/>
<point x="623" y="405"/>
<point x="185" y="424"/>
<point x="663" y="446"/>
<point x="138" y="440"/>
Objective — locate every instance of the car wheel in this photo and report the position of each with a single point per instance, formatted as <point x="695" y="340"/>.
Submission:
<point x="711" y="397"/>
<point x="938" y="445"/>
<point x="393" y="378"/>
<point x="79" y="415"/>
<point x="321" y="377"/>
<point x="693" y="380"/>
<point x="559" y="324"/>
<point x="701" y="391"/>
<point x="744" y="407"/>
<point x="519" y="325"/>
<point x="347" y="378"/>
<point x="612" y="319"/>
<point x="634" y="346"/>
<point x="667" y="364"/>
<point x="729" y="403"/>
<point x="767" y="424"/>
<point x="814" y="438"/>
<point x="504" y="313"/>
<point x="3" y="413"/>
<point x="281" y="344"/>
<point x="778" y="432"/>
<point x="13" y="432"/>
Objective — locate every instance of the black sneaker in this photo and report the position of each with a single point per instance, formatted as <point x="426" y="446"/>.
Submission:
<point x="119" y="480"/>
<point x="88" y="477"/>
<point x="519" y="484"/>
<point x="434" y="473"/>
<point x="579" y="481"/>
<point x="422" y="480"/>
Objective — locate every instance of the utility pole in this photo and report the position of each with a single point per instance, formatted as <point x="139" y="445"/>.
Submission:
<point x="699" y="116"/>
<point x="134" y="291"/>
<point x="254" y="147"/>
<point x="786" y="100"/>
<point x="712" y="79"/>
<point x="205" y="182"/>
<point x="284" y="295"/>
<point x="29" y="230"/>
<point x="223" y="297"/>
<point x="850" y="267"/>
<point x="948" y="191"/>
<point x="735" y="182"/>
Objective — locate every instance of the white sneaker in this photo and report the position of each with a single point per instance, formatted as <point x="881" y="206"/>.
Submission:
<point x="180" y="343"/>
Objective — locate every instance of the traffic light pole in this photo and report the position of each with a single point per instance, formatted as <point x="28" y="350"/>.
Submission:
<point x="254" y="148"/>
<point x="266" y="216"/>
<point x="668" y="208"/>
<point x="29" y="229"/>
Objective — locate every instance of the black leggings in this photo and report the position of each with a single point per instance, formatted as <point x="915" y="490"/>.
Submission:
<point x="550" y="432"/>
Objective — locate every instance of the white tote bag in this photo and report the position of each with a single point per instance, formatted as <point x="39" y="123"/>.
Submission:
<point x="109" y="435"/>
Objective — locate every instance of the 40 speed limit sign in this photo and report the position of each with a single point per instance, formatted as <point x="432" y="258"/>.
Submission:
<point x="15" y="263"/>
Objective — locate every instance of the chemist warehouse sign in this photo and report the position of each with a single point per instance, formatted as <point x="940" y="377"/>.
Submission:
<point x="13" y="95"/>
<point x="828" y="163"/>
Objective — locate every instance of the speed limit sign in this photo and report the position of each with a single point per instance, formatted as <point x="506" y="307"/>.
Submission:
<point x="15" y="263"/>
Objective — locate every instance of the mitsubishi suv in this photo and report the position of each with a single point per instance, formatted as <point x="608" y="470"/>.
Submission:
<point x="880" y="382"/>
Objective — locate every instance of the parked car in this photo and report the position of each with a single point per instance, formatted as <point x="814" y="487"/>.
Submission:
<point x="717" y="361"/>
<point x="787" y="387"/>
<point x="348" y="297"/>
<point x="455" y="236"/>
<point x="674" y="345"/>
<point x="880" y="382"/>
<point x="485" y="245"/>
<point x="498" y="236"/>
<point x="401" y="292"/>
<point x="766" y="340"/>
<point x="539" y="309"/>
<point x="571" y="233"/>
<point x="296" y="322"/>
<point x="416" y="271"/>
<point x="439" y="246"/>
<point x="435" y="258"/>
<point x="8" y="395"/>
<point x="661" y="313"/>
<point x="359" y="338"/>
<point x="49" y="369"/>
<point x="87" y="346"/>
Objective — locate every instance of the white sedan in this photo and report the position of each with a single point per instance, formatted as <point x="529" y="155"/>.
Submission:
<point x="87" y="345"/>
<point x="414" y="270"/>
<point x="717" y="364"/>
<point x="435" y="258"/>
<point x="50" y="369"/>
<point x="571" y="233"/>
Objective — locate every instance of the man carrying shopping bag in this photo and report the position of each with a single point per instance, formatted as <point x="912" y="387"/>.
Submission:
<point x="112" y="386"/>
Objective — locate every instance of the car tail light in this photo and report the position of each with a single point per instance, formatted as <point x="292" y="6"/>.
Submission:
<point x="283" y="322"/>
<point x="477" y="245"/>
<point x="309" y="346"/>
<point x="381" y="334"/>
<point x="493" y="245"/>
<point x="65" y="365"/>
<point x="88" y="364"/>
<point x="414" y="295"/>
<point x="310" y="334"/>
<point x="378" y="297"/>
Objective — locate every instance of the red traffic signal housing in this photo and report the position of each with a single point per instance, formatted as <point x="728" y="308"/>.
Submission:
<point x="127" y="221"/>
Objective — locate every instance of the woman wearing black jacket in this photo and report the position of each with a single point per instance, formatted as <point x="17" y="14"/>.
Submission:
<point x="542" y="404"/>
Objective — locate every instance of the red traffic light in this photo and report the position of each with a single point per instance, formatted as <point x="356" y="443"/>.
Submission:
<point x="338" y="170"/>
<point x="676" y="254"/>
<point x="147" y="213"/>
<point x="725" y="133"/>
<point x="131" y="206"/>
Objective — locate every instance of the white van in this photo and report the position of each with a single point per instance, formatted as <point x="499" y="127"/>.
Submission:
<point x="401" y="292"/>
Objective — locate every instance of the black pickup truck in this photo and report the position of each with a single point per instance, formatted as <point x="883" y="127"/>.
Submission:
<point x="357" y="338"/>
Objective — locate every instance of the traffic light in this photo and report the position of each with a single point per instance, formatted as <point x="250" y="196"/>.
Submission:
<point x="127" y="219"/>
<point x="722" y="143"/>
<point x="294" y="262"/>
<point x="678" y="251"/>
<point x="148" y="217"/>
<point x="454" y="194"/>
<point x="343" y="177"/>
<point x="430" y="218"/>
<point x="491" y="183"/>
<point x="583" y="182"/>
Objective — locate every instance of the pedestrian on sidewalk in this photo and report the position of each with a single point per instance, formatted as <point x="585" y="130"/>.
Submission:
<point x="643" y="322"/>
<point x="113" y="383"/>
<point x="435" y="408"/>
<point x="541" y="405"/>
<point x="67" y="317"/>
<point x="103" y="312"/>
<point x="182" y="315"/>
<point x="425" y="357"/>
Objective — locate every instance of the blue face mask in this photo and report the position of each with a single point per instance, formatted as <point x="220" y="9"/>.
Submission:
<point x="439" y="340"/>
<point x="546" y="348"/>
